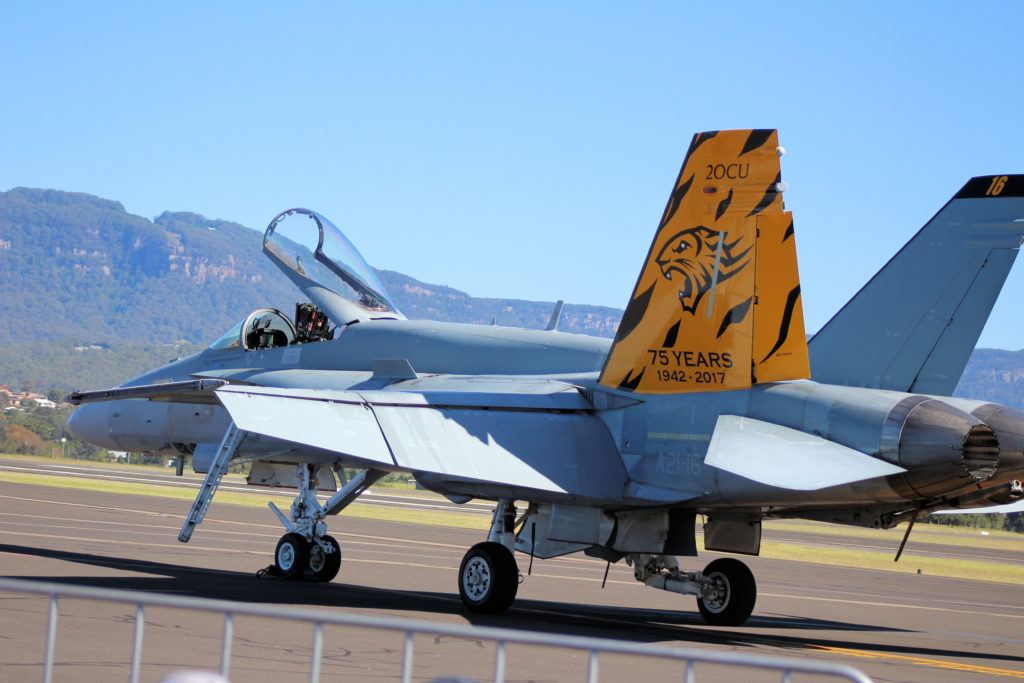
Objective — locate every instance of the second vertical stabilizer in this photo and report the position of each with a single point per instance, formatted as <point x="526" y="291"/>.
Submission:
<point x="913" y="326"/>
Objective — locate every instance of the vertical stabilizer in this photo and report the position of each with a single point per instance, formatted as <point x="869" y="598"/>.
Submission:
<point x="914" y="325"/>
<point x="717" y="304"/>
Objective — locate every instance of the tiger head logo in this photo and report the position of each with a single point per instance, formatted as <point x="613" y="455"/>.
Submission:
<point x="688" y="259"/>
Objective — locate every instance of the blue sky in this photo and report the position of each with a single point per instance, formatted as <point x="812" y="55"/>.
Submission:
<point x="525" y="149"/>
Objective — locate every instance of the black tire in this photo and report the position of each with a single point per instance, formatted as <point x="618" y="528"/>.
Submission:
<point x="488" y="578"/>
<point x="325" y="565"/>
<point x="734" y="596"/>
<point x="291" y="556"/>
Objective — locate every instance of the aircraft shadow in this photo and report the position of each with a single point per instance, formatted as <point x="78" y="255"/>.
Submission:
<point x="619" y="623"/>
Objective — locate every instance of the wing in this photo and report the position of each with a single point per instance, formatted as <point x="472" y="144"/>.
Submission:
<point x="466" y="434"/>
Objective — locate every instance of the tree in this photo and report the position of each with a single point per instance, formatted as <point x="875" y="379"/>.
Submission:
<point x="18" y="439"/>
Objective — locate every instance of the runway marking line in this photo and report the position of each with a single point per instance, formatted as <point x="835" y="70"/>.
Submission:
<point x="864" y="654"/>
<point x="884" y="604"/>
<point x="379" y="498"/>
<point x="923" y="661"/>
<point x="434" y="544"/>
<point x="544" y="575"/>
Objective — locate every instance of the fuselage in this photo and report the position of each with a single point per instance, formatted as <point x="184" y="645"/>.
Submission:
<point x="662" y="441"/>
<point x="430" y="347"/>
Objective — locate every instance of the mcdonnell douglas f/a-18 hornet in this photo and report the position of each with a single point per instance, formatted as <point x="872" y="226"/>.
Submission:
<point x="709" y="401"/>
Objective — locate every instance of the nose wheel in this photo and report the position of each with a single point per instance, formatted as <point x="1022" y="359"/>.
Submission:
<point x="294" y="555"/>
<point x="325" y="559"/>
<point x="488" y="578"/>
<point x="291" y="556"/>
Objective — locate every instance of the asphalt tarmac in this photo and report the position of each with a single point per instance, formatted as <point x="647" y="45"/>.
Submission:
<point x="895" y="627"/>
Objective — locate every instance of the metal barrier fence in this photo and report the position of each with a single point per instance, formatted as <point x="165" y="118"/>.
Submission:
<point x="689" y="658"/>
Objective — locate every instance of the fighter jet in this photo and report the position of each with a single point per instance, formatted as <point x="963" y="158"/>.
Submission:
<point x="709" y="401"/>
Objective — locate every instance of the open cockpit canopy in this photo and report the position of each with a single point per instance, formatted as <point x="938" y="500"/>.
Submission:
<point x="319" y="259"/>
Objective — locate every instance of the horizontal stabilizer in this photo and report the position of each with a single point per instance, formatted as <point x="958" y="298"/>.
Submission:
<point x="786" y="458"/>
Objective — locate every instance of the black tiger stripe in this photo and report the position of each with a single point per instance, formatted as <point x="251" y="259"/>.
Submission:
<point x="723" y="205"/>
<point x="769" y="196"/>
<point x="735" y="315"/>
<point x="698" y="140"/>
<point x="634" y="314"/>
<point x="789" y="232"/>
<point x="670" y="338"/>
<point x="756" y="139"/>
<point x="630" y="383"/>
<point x="787" y="320"/>
<point x="677" y="199"/>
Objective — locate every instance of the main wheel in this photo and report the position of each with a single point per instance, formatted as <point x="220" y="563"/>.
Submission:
<point x="325" y="565"/>
<point x="731" y="599"/>
<point x="488" y="578"/>
<point x="292" y="556"/>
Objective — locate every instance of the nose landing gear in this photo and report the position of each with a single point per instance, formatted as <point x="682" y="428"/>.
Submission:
<point x="296" y="558"/>
<point x="306" y="551"/>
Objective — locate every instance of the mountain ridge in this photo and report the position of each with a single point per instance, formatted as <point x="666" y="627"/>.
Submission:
<point x="95" y="295"/>
<point x="80" y="271"/>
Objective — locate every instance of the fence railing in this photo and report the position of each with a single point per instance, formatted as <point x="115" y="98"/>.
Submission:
<point x="501" y="637"/>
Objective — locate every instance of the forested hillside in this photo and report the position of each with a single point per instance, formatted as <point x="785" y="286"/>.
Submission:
<point x="94" y="295"/>
<point x="994" y="375"/>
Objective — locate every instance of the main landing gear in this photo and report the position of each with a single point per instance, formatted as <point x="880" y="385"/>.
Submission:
<point x="729" y="595"/>
<point x="489" y="576"/>
<point x="306" y="551"/>
<point x="725" y="590"/>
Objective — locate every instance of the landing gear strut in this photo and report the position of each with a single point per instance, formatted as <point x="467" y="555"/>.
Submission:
<point x="307" y="550"/>
<point x="489" y="575"/>
<point x="725" y="590"/>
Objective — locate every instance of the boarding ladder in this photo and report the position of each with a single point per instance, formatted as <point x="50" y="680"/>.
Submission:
<point x="228" y="445"/>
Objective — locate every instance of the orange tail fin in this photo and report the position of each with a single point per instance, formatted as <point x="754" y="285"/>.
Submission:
<point x="717" y="304"/>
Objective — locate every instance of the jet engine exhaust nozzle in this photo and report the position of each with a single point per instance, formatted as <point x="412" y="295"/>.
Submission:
<point x="981" y="452"/>
<point x="945" y="449"/>
<point x="1008" y="424"/>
